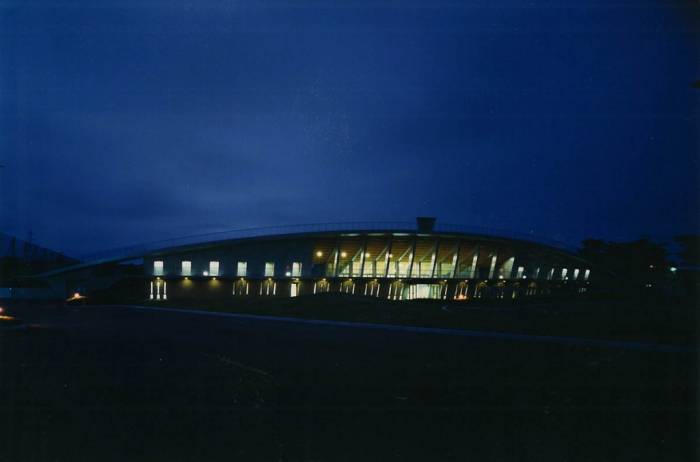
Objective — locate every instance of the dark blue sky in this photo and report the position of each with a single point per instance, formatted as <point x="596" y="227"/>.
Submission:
<point x="135" y="121"/>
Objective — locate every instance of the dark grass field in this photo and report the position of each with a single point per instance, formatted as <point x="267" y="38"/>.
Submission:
<point x="669" y="323"/>
<point x="109" y="383"/>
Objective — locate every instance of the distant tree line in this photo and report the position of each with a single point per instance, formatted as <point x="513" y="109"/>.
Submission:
<point x="644" y="267"/>
<point x="639" y="254"/>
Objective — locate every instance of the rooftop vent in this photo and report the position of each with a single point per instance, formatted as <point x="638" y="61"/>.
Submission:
<point x="425" y="224"/>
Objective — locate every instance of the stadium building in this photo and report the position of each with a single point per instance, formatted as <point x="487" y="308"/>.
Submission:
<point x="394" y="262"/>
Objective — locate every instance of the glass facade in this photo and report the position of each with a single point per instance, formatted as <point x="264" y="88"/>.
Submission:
<point x="419" y="266"/>
<point x="400" y="257"/>
<point x="417" y="291"/>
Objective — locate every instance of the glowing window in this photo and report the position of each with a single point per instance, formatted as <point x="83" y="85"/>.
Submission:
<point x="493" y="266"/>
<point x="296" y="269"/>
<point x="586" y="274"/>
<point x="563" y="273"/>
<point x="472" y="271"/>
<point x="158" y="267"/>
<point x="213" y="268"/>
<point x="576" y="271"/>
<point x="242" y="269"/>
<point x="356" y="267"/>
<point x="186" y="268"/>
<point x="269" y="269"/>
<point x="521" y="270"/>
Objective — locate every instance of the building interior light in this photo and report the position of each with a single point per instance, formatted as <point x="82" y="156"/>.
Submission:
<point x="367" y="255"/>
<point x="206" y="273"/>
<point x="319" y="254"/>
<point x="343" y="254"/>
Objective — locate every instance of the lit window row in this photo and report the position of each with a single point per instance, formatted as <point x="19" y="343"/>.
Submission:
<point x="213" y="269"/>
<point x="396" y="269"/>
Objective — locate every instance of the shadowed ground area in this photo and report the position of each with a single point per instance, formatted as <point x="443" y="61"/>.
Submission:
<point x="110" y="383"/>
<point x="647" y="320"/>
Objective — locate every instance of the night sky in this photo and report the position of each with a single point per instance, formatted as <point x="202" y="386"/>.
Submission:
<point x="138" y="121"/>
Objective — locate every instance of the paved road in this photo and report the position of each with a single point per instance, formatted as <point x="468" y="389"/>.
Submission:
<point x="112" y="383"/>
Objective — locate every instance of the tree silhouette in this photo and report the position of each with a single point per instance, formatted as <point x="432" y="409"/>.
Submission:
<point x="690" y="248"/>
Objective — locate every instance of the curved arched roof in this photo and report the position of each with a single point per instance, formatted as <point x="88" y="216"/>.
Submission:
<point x="201" y="241"/>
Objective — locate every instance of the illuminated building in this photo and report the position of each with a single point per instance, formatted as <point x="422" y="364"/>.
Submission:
<point x="397" y="264"/>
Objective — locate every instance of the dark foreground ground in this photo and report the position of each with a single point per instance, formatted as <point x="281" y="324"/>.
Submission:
<point x="107" y="383"/>
<point x="644" y="319"/>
